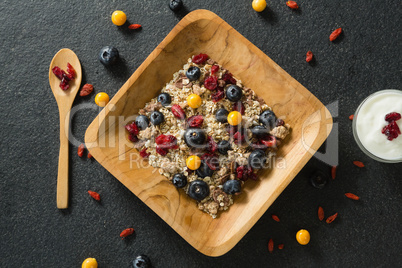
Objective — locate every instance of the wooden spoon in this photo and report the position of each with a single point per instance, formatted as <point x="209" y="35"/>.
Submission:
<point x="64" y="100"/>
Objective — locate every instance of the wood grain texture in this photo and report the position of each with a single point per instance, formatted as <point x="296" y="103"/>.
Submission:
<point x="203" y="31"/>
<point x="64" y="101"/>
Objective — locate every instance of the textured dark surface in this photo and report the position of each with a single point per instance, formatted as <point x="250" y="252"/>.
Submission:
<point x="34" y="233"/>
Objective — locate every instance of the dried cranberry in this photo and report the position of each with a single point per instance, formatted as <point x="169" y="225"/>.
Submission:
<point x="245" y="172"/>
<point x="178" y="112"/>
<point x="70" y="71"/>
<point x="65" y="76"/>
<point x="214" y="69"/>
<point x="238" y="106"/>
<point x="132" y="137"/>
<point x="392" y="117"/>
<point x="132" y="128"/>
<point x="212" y="160"/>
<point x="144" y="154"/>
<point x="228" y="78"/>
<point x="212" y="146"/>
<point x="166" y="141"/>
<point x="161" y="151"/>
<point x="57" y="72"/>
<point x="258" y="145"/>
<point x="200" y="58"/>
<point x="195" y="121"/>
<point x="211" y="82"/>
<point x="391" y="130"/>
<point x="238" y="137"/>
<point x="64" y="84"/>
<point x="269" y="141"/>
<point x="218" y="95"/>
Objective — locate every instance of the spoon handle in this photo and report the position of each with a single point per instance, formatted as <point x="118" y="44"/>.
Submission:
<point x="62" y="176"/>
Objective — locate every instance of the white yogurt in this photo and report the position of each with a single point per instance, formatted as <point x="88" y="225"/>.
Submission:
<point x="370" y="120"/>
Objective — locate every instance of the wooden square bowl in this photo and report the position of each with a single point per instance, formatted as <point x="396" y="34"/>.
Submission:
<point x="203" y="31"/>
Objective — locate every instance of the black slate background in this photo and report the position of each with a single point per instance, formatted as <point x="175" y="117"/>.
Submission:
<point x="34" y="233"/>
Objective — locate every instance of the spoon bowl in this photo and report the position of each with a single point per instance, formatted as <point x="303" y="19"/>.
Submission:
<point x="64" y="99"/>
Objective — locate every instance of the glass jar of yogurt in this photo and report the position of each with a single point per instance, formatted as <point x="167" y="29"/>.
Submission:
<point x="369" y="120"/>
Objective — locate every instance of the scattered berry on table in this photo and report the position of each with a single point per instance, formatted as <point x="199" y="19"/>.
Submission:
<point x="204" y="170"/>
<point x="108" y="55"/>
<point x="142" y="122"/>
<point x="292" y="4"/>
<point x="259" y="5"/>
<point x="194" y="101"/>
<point x="119" y="17"/>
<point x="318" y="179"/>
<point x="193" y="73"/>
<point x="101" y="99"/>
<point x="309" y="56"/>
<point x="271" y="245"/>
<point x="234" y="118"/>
<point x="193" y="162"/>
<point x="86" y="90"/>
<point x="179" y="180"/>
<point x="259" y="131"/>
<point x="351" y="117"/>
<point x="94" y="195"/>
<point x="223" y="147"/>
<point x="164" y="99"/>
<point x="156" y="118"/>
<point x="234" y="93"/>
<point x="198" y="190"/>
<point x="126" y="232"/>
<point x="222" y="115"/>
<point x="90" y="263"/>
<point x="134" y="26"/>
<point x="232" y="187"/>
<point x="195" y="137"/>
<point x="335" y="34"/>
<point x="303" y="237"/>
<point x="80" y="150"/>
<point x="358" y="164"/>
<point x="175" y="5"/>
<point x="257" y="159"/>
<point x="268" y="119"/>
<point x="331" y="218"/>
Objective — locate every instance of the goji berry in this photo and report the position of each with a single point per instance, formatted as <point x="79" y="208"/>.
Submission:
<point x="86" y="90"/>
<point x="271" y="245"/>
<point x="351" y="116"/>
<point x="280" y="246"/>
<point x="358" y="164"/>
<point x="134" y="26"/>
<point x="126" y="232"/>
<point x="320" y="213"/>
<point x="275" y="218"/>
<point x="335" y="34"/>
<point x="333" y="172"/>
<point x="292" y="4"/>
<point x="89" y="155"/>
<point x="352" y="196"/>
<point x="309" y="56"/>
<point x="332" y="218"/>
<point x="178" y="112"/>
<point x="94" y="195"/>
<point x="80" y="150"/>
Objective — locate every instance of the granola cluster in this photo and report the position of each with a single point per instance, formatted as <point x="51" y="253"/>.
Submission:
<point x="165" y="146"/>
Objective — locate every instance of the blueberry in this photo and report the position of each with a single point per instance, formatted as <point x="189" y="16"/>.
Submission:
<point x="204" y="171"/>
<point x="268" y="119"/>
<point x="257" y="159"/>
<point x="260" y="131"/>
<point x="108" y="55"/>
<point x="157" y="118"/>
<point x="164" y="99"/>
<point x="224" y="147"/>
<point x="142" y="122"/>
<point x="232" y="186"/>
<point x="179" y="180"/>
<point x="175" y="5"/>
<point x="319" y="179"/>
<point x="193" y="73"/>
<point x="195" y="137"/>
<point x="142" y="261"/>
<point x="222" y="115"/>
<point x="198" y="190"/>
<point x="234" y="93"/>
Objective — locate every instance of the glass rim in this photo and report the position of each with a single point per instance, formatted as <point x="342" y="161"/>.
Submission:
<point x="356" y="136"/>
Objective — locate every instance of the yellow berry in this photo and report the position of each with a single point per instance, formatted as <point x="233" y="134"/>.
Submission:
<point x="303" y="237"/>
<point x="259" y="5"/>
<point x="194" y="101"/>
<point x="119" y="18"/>
<point x="90" y="263"/>
<point x="193" y="162"/>
<point x="234" y="118"/>
<point x="101" y="99"/>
